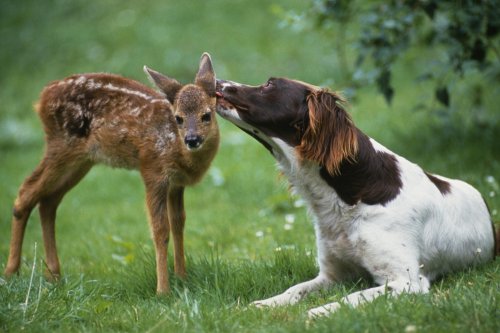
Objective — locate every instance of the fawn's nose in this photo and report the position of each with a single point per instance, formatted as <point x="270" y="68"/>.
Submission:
<point x="193" y="141"/>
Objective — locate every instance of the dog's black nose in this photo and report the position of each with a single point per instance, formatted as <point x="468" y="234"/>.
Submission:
<point x="193" y="141"/>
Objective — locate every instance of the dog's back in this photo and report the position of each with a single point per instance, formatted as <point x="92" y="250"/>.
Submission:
<point x="462" y="236"/>
<point x="453" y="224"/>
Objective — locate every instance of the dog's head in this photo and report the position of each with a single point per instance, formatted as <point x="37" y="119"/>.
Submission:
<point x="311" y="120"/>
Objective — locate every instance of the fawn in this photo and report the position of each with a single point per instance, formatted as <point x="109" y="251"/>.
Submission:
<point x="170" y="136"/>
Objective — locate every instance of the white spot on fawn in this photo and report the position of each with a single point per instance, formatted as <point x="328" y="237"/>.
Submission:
<point x="80" y="80"/>
<point x="63" y="82"/>
<point x="111" y="87"/>
<point x="92" y="85"/>
<point x="135" y="111"/>
<point x="171" y="137"/>
<point x="156" y="100"/>
<point x="164" y="137"/>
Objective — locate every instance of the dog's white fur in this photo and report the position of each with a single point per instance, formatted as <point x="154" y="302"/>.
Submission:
<point x="403" y="245"/>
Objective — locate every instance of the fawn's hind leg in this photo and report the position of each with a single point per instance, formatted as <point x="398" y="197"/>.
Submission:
<point x="27" y="199"/>
<point x="48" y="207"/>
<point x="47" y="185"/>
<point x="177" y="218"/>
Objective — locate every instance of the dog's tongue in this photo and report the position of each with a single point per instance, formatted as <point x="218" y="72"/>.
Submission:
<point x="219" y="94"/>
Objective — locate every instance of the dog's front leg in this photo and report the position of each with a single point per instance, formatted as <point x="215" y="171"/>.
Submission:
<point x="296" y="293"/>
<point x="353" y="299"/>
<point x="393" y="288"/>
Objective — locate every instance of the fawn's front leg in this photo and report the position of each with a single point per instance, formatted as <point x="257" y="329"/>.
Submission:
<point x="156" y="200"/>
<point x="177" y="218"/>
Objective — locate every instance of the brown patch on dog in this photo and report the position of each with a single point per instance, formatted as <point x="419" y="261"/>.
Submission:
<point x="372" y="177"/>
<point x="443" y="186"/>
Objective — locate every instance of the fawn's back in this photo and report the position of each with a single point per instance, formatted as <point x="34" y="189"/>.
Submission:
<point x="108" y="119"/>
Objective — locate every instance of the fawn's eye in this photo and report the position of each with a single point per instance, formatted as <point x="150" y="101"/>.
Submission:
<point x="206" y="117"/>
<point x="179" y="120"/>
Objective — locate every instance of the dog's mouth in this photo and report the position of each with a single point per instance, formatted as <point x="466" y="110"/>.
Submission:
<point x="223" y="102"/>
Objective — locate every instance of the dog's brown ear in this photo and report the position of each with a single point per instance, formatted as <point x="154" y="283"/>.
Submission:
<point x="330" y="136"/>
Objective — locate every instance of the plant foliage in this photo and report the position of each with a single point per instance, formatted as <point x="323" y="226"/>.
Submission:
<point x="459" y="37"/>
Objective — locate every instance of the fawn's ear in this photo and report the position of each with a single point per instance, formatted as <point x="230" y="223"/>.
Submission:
<point x="168" y="86"/>
<point x="206" y="75"/>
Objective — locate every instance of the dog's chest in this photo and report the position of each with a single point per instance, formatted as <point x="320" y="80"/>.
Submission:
<point x="335" y="222"/>
<point x="332" y="217"/>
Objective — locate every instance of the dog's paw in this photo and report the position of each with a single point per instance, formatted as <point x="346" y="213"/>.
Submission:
<point x="260" y="304"/>
<point x="279" y="300"/>
<point x="324" y="310"/>
<point x="265" y="303"/>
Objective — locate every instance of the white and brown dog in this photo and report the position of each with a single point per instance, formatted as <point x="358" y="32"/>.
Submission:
<point x="375" y="213"/>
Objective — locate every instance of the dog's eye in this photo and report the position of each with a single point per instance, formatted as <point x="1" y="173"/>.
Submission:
<point x="206" y="117"/>
<point x="179" y="120"/>
<point x="268" y="84"/>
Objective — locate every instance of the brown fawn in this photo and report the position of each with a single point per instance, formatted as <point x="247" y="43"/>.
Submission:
<point x="170" y="136"/>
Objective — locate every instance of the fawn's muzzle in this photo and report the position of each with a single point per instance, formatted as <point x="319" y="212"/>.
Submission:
<point x="193" y="141"/>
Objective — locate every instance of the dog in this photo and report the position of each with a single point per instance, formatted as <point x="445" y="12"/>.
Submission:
<point x="376" y="214"/>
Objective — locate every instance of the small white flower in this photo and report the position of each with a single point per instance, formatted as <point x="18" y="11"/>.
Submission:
<point x="492" y="194"/>
<point x="290" y="218"/>
<point x="478" y="250"/>
<point x="490" y="179"/>
<point x="259" y="234"/>
<point x="288" y="226"/>
<point x="298" y="203"/>
<point x="410" y="328"/>
<point x="278" y="249"/>
<point x="494" y="212"/>
<point x="217" y="176"/>
<point x="235" y="138"/>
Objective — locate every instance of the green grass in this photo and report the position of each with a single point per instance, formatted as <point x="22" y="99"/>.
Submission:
<point x="236" y="216"/>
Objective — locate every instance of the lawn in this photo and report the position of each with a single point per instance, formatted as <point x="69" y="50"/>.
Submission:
<point x="247" y="238"/>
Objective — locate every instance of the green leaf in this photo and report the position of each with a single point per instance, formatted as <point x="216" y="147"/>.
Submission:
<point x="442" y="95"/>
<point x="384" y="85"/>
